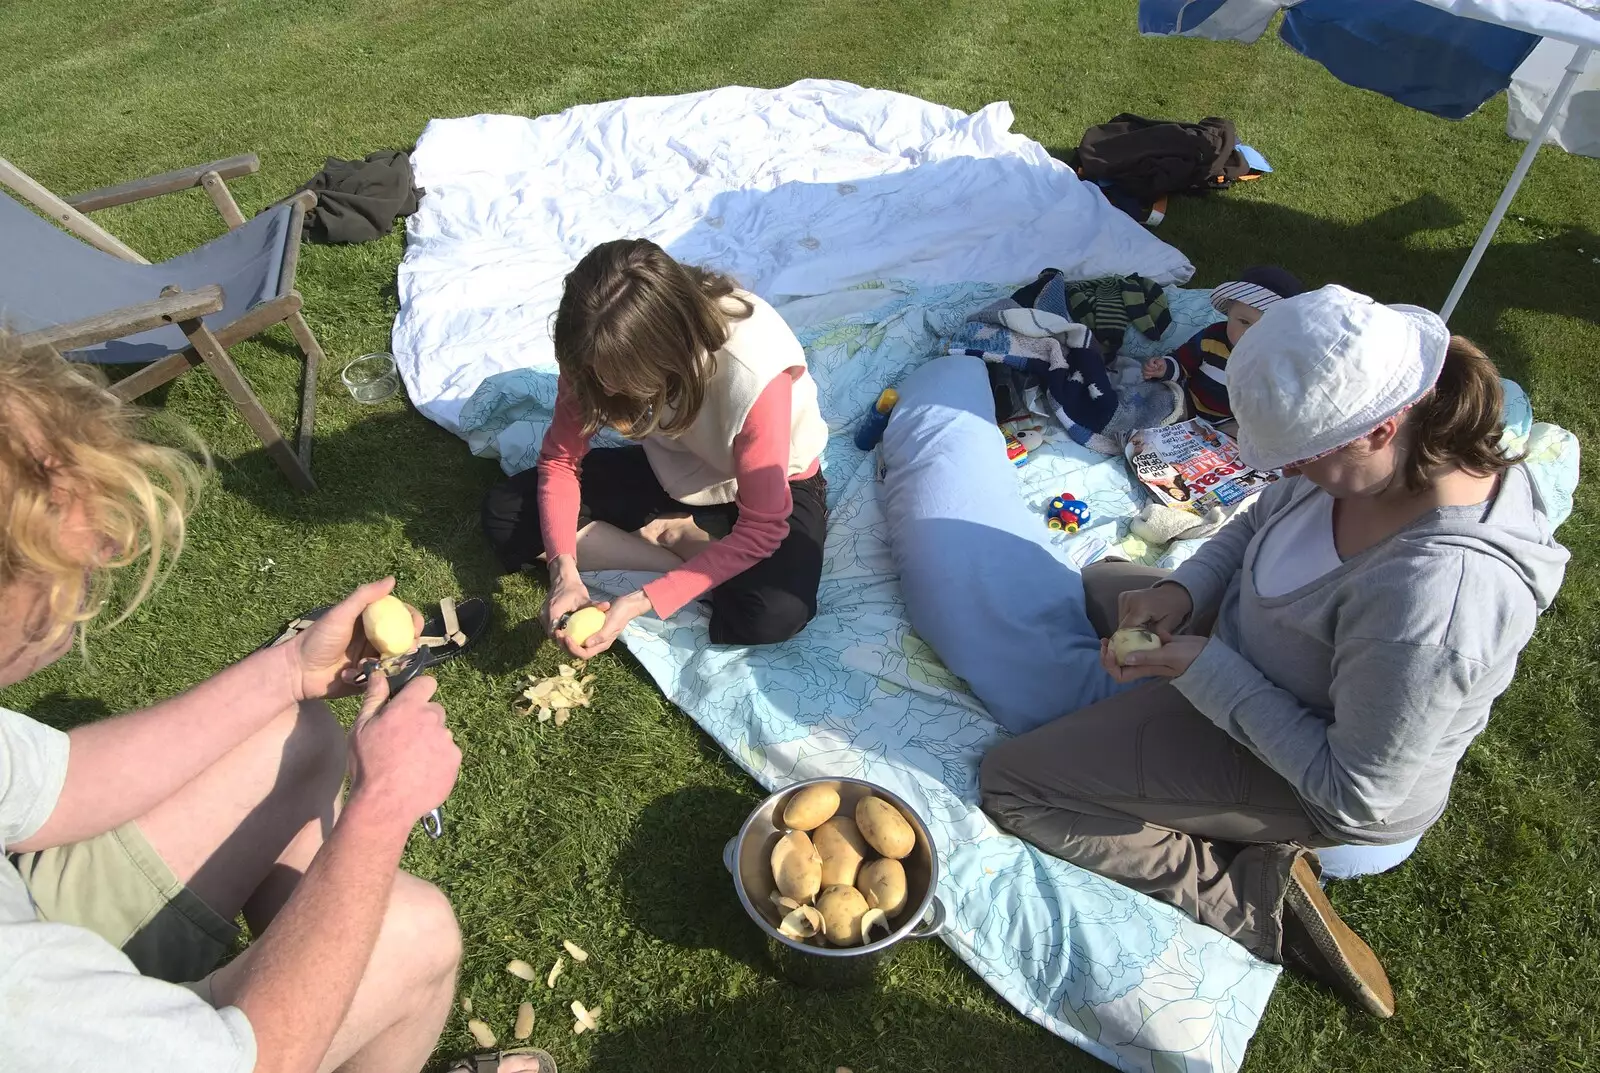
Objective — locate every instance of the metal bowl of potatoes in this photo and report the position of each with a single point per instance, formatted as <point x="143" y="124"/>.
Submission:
<point x="816" y="961"/>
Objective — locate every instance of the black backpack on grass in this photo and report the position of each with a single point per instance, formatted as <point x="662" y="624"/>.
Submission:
<point x="1151" y="158"/>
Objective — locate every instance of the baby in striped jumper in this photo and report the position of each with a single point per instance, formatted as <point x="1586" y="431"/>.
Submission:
<point x="1201" y="364"/>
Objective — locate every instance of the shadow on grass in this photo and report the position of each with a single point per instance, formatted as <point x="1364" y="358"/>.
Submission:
<point x="675" y="888"/>
<point x="777" y="1028"/>
<point x="1382" y="256"/>
<point x="673" y="883"/>
<point x="392" y="466"/>
<point x="64" y="711"/>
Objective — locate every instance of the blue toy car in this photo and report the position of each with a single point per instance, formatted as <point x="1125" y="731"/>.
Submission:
<point x="1067" y="514"/>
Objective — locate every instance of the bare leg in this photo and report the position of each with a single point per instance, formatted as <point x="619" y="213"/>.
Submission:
<point x="605" y="547"/>
<point x="406" y="993"/>
<point x="244" y="831"/>
<point x="679" y="534"/>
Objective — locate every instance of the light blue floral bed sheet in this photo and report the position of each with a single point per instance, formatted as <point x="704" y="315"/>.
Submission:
<point x="1126" y="978"/>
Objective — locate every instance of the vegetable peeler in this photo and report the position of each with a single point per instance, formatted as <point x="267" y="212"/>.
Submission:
<point x="433" y="822"/>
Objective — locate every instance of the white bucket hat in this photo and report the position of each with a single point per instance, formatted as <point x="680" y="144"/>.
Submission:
<point x="1323" y="369"/>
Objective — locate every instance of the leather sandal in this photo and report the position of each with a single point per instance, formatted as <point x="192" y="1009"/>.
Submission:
<point x="1321" y="945"/>
<point x="489" y="1061"/>
<point x="445" y="635"/>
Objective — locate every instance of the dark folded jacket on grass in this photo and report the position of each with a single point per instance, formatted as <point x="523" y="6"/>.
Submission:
<point x="358" y="200"/>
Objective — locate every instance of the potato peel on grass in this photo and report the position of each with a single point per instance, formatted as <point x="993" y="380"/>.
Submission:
<point x="524" y="1026"/>
<point x="555" y="970"/>
<point x="587" y="1020"/>
<point x="578" y="953"/>
<point x="521" y="970"/>
<point x="554" y="696"/>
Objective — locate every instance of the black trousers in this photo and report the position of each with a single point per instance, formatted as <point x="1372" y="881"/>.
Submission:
<point x="768" y="603"/>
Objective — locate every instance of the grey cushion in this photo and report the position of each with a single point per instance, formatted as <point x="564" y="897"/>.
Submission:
<point x="50" y="277"/>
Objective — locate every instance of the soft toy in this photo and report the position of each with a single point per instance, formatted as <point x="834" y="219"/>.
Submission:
<point x="1067" y="513"/>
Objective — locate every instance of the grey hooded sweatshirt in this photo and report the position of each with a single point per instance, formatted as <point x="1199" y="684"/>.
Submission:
<point x="1364" y="687"/>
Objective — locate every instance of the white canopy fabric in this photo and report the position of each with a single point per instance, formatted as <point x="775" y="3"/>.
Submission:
<point x="1577" y="122"/>
<point x="1574" y="21"/>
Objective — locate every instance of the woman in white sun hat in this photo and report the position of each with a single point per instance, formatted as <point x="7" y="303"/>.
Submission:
<point x="1328" y="655"/>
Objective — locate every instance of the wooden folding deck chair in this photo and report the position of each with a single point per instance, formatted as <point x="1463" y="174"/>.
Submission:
<point x="104" y="303"/>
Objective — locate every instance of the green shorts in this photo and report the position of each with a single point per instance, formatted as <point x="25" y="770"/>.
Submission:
<point x="118" y="887"/>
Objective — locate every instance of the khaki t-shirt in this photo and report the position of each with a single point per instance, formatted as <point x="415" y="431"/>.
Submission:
<point x="70" y="1002"/>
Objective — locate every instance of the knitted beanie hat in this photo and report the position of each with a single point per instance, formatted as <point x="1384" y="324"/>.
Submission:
<point x="1323" y="369"/>
<point x="1257" y="287"/>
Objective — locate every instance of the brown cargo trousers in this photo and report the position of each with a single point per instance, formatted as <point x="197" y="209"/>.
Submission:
<point x="1145" y="790"/>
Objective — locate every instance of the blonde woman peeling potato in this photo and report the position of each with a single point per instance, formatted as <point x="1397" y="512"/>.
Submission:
<point x="129" y="846"/>
<point x="1324" y="660"/>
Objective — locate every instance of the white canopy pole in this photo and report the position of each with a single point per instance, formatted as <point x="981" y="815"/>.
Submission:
<point x="1557" y="99"/>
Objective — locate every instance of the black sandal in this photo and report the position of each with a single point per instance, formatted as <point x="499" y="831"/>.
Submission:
<point x="445" y="635"/>
<point x="489" y="1062"/>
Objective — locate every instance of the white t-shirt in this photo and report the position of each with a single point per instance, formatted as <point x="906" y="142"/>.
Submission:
<point x="70" y="1002"/>
<point x="1298" y="548"/>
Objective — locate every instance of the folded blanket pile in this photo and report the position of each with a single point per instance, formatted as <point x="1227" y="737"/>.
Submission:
<point x="1033" y="331"/>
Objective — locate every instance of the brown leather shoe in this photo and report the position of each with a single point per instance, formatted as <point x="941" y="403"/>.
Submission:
<point x="1318" y="943"/>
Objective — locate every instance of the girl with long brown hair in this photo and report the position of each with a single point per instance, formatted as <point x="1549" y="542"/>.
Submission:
<point x="712" y="384"/>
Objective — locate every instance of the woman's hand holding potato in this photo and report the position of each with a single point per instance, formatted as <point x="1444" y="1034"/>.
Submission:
<point x="1168" y="661"/>
<point x="1161" y="609"/>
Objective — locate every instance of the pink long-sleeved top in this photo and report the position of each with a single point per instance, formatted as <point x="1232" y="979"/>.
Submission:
<point x="761" y="456"/>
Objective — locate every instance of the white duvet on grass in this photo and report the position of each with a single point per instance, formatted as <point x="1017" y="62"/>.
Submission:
<point x="799" y="191"/>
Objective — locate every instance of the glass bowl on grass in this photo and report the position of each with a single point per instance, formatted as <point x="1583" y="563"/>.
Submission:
<point x="371" y="377"/>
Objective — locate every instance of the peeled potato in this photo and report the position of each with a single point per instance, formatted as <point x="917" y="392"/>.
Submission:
<point x="797" y="867"/>
<point x="883" y="884"/>
<point x="388" y="626"/>
<point x="842" y="848"/>
<point x="809" y="808"/>
<point x="583" y="623"/>
<point x="1133" y="639"/>
<point x="842" y="909"/>
<point x="884" y="828"/>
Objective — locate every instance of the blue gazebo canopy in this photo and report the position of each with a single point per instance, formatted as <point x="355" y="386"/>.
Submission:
<point x="1444" y="57"/>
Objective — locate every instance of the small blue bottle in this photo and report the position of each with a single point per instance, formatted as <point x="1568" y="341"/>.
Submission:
<point x="877" y="419"/>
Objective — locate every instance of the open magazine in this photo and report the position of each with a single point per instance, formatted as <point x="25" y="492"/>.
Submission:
<point x="1192" y="466"/>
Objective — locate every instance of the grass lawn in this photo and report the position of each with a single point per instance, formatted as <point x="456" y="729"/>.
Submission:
<point x="609" y="831"/>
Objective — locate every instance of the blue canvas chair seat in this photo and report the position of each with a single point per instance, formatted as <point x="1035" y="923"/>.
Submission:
<point x="53" y="284"/>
